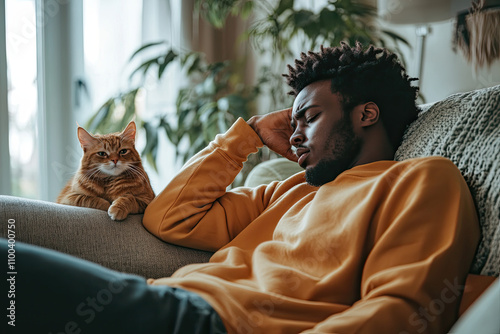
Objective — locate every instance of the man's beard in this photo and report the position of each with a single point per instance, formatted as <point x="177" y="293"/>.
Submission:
<point x="346" y="147"/>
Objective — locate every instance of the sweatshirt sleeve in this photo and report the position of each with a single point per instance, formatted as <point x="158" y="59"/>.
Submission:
<point x="421" y="250"/>
<point x="195" y="210"/>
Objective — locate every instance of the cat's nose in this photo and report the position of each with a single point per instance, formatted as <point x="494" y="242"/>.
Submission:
<point x="114" y="157"/>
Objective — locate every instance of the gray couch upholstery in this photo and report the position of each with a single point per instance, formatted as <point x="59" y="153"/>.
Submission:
<point x="464" y="128"/>
<point x="90" y="234"/>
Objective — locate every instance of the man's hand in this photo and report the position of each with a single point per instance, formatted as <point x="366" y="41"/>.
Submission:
<point x="275" y="130"/>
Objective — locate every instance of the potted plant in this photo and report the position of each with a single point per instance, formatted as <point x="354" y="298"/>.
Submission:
<point x="216" y="96"/>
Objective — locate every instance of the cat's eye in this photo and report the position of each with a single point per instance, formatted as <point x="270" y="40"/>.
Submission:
<point x="124" y="151"/>
<point x="102" y="154"/>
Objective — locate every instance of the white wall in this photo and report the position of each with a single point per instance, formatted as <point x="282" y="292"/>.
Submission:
<point x="444" y="71"/>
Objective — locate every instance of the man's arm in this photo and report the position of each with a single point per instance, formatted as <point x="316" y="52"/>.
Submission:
<point x="421" y="252"/>
<point x="194" y="210"/>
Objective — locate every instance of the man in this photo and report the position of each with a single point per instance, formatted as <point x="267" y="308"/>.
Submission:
<point x="372" y="250"/>
<point x="357" y="243"/>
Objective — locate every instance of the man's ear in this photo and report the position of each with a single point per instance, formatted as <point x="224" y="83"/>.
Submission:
<point x="368" y="114"/>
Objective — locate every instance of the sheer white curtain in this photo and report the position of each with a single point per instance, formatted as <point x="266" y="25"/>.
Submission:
<point x="90" y="42"/>
<point x="177" y="23"/>
<point x="43" y="44"/>
<point x="161" y="22"/>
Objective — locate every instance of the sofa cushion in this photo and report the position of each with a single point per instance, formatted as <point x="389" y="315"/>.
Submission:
<point x="91" y="235"/>
<point x="272" y="170"/>
<point x="465" y="128"/>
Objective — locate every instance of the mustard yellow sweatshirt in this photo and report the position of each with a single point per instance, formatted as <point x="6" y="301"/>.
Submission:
<point x="384" y="248"/>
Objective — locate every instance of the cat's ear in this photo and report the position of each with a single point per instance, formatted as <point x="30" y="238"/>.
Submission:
<point x="86" y="139"/>
<point x="129" y="132"/>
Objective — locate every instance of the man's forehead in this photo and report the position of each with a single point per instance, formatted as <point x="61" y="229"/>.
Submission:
<point x="301" y="101"/>
<point x="316" y="93"/>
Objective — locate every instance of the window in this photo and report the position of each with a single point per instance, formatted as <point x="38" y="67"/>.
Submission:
<point x="21" y="46"/>
<point x="64" y="60"/>
<point x="111" y="32"/>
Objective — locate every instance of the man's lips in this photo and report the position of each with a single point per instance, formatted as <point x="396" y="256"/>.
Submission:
<point x="302" y="154"/>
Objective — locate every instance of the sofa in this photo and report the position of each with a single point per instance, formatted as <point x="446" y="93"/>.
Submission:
<point x="464" y="127"/>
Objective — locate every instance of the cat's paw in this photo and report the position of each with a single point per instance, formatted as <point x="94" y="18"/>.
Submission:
<point x="117" y="213"/>
<point x="102" y="204"/>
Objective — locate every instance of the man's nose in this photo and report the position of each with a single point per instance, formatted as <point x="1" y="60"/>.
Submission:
<point x="296" y="138"/>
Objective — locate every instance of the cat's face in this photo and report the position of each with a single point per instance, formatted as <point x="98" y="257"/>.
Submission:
<point x="110" y="154"/>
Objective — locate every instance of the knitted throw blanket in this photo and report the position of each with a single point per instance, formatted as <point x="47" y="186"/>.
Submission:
<point x="465" y="128"/>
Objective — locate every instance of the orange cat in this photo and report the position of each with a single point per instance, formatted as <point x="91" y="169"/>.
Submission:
<point x="111" y="176"/>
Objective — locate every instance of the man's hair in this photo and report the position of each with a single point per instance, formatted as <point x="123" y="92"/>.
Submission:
<point x="360" y="76"/>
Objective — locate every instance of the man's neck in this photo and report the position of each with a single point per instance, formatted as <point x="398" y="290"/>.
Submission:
<point x="375" y="147"/>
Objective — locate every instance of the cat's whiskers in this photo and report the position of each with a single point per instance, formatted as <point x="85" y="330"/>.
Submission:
<point x="134" y="170"/>
<point x="140" y="174"/>
<point x="91" y="175"/>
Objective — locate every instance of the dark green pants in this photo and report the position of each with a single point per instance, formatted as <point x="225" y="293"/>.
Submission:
<point x="51" y="292"/>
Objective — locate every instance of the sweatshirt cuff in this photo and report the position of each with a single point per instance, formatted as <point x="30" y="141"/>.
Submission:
<point x="239" y="141"/>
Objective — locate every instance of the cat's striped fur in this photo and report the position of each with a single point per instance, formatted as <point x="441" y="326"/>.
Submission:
<point x="111" y="176"/>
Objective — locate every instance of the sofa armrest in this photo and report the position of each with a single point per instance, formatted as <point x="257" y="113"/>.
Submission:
<point x="482" y="316"/>
<point x="91" y="235"/>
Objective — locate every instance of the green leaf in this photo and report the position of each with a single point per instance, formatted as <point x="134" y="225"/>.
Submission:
<point x="328" y="19"/>
<point x="151" y="149"/>
<point x="186" y="57"/>
<point x="151" y="137"/>
<point x="206" y="110"/>
<point x="171" y="55"/>
<point x="197" y="142"/>
<point x="154" y="158"/>
<point x="395" y="37"/>
<point x="151" y="159"/>
<point x="98" y="118"/>
<point x="129" y="104"/>
<point x="303" y="18"/>
<point x="182" y="115"/>
<point x="144" y="67"/>
<point x="144" y="47"/>
<point x="195" y="66"/>
<point x="221" y="122"/>
<point x="283" y="5"/>
<point x="247" y="9"/>
<point x="171" y="134"/>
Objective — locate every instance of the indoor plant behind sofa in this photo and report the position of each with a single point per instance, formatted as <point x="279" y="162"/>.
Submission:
<point x="464" y="127"/>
